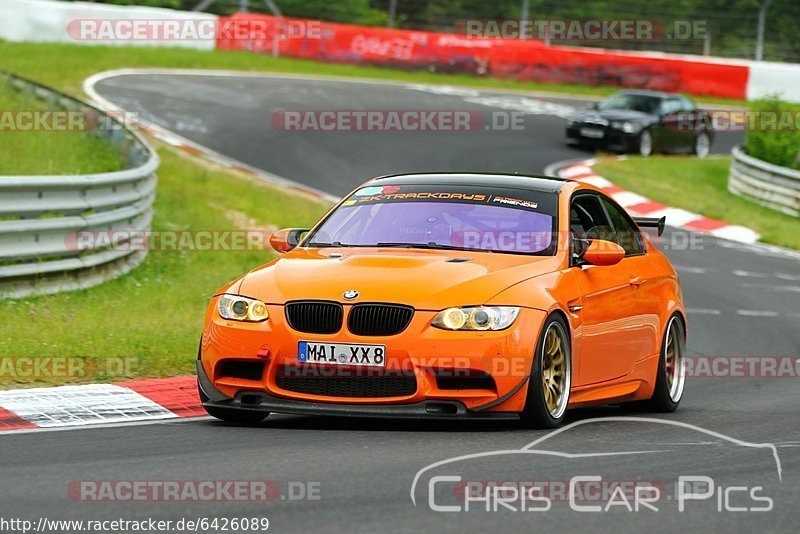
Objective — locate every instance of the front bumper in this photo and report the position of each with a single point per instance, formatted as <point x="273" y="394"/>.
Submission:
<point x="425" y="351"/>
<point x="612" y="139"/>
<point x="259" y="401"/>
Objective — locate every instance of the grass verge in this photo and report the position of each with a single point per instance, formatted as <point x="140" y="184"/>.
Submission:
<point x="66" y="66"/>
<point x="24" y="152"/>
<point x="700" y="186"/>
<point x="148" y="322"/>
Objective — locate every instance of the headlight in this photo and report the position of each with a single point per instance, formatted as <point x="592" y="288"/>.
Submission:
<point x="625" y="126"/>
<point x="242" y="309"/>
<point x="476" y="318"/>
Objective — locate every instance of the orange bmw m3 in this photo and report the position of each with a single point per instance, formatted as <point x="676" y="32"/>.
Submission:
<point x="451" y="296"/>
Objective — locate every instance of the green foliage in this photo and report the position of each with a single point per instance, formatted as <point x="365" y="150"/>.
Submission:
<point x="779" y="145"/>
<point x="350" y="11"/>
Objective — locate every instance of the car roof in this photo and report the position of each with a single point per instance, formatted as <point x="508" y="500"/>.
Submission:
<point x="531" y="182"/>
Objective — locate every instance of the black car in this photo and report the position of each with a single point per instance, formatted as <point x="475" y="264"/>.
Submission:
<point x="643" y="122"/>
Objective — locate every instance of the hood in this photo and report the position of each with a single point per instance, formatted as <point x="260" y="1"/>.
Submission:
<point x="424" y="279"/>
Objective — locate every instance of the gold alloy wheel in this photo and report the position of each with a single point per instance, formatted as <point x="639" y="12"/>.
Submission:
<point x="556" y="376"/>
<point x="674" y="360"/>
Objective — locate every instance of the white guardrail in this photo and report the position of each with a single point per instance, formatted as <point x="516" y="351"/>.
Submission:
<point x="770" y="185"/>
<point x="40" y="215"/>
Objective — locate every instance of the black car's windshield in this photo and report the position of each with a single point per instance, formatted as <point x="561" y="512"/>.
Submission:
<point x="633" y="102"/>
<point x="443" y="217"/>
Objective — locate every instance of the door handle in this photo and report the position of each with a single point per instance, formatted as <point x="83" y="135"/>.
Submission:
<point x="636" y="281"/>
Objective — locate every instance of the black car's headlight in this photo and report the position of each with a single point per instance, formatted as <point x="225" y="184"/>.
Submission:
<point x="476" y="318"/>
<point x="625" y="126"/>
<point x="238" y="308"/>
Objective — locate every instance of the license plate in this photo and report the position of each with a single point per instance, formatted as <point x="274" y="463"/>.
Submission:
<point x="341" y="354"/>
<point x="594" y="133"/>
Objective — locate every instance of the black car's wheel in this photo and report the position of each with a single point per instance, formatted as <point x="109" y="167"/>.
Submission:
<point x="645" y="143"/>
<point x="551" y="377"/>
<point x="671" y="374"/>
<point x="702" y="145"/>
<point x="230" y="415"/>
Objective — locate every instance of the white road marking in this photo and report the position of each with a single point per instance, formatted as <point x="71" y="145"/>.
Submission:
<point x="702" y="311"/>
<point x="790" y="277"/>
<point x="531" y="106"/>
<point x="694" y="270"/>
<point x="446" y="90"/>
<point x="757" y="313"/>
<point x="749" y="274"/>
<point x="761" y="249"/>
<point x="788" y="289"/>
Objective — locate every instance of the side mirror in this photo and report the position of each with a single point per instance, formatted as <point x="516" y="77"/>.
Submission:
<point x="603" y="253"/>
<point x="285" y="240"/>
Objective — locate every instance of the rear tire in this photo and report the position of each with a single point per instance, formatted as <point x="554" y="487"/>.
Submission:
<point x="671" y="374"/>
<point x="551" y="377"/>
<point x="702" y="145"/>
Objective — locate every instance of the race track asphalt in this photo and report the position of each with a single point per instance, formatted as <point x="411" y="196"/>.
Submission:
<point x="742" y="301"/>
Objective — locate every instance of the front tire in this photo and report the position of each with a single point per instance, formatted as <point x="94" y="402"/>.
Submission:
<point x="645" y="143"/>
<point x="551" y="377"/>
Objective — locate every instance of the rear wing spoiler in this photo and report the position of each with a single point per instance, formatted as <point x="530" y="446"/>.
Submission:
<point x="652" y="222"/>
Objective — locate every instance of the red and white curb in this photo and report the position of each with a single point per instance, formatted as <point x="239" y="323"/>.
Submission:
<point x="96" y="404"/>
<point x="640" y="206"/>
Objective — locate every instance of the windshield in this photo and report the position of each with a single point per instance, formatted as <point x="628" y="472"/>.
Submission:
<point x="446" y="216"/>
<point x="643" y="103"/>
